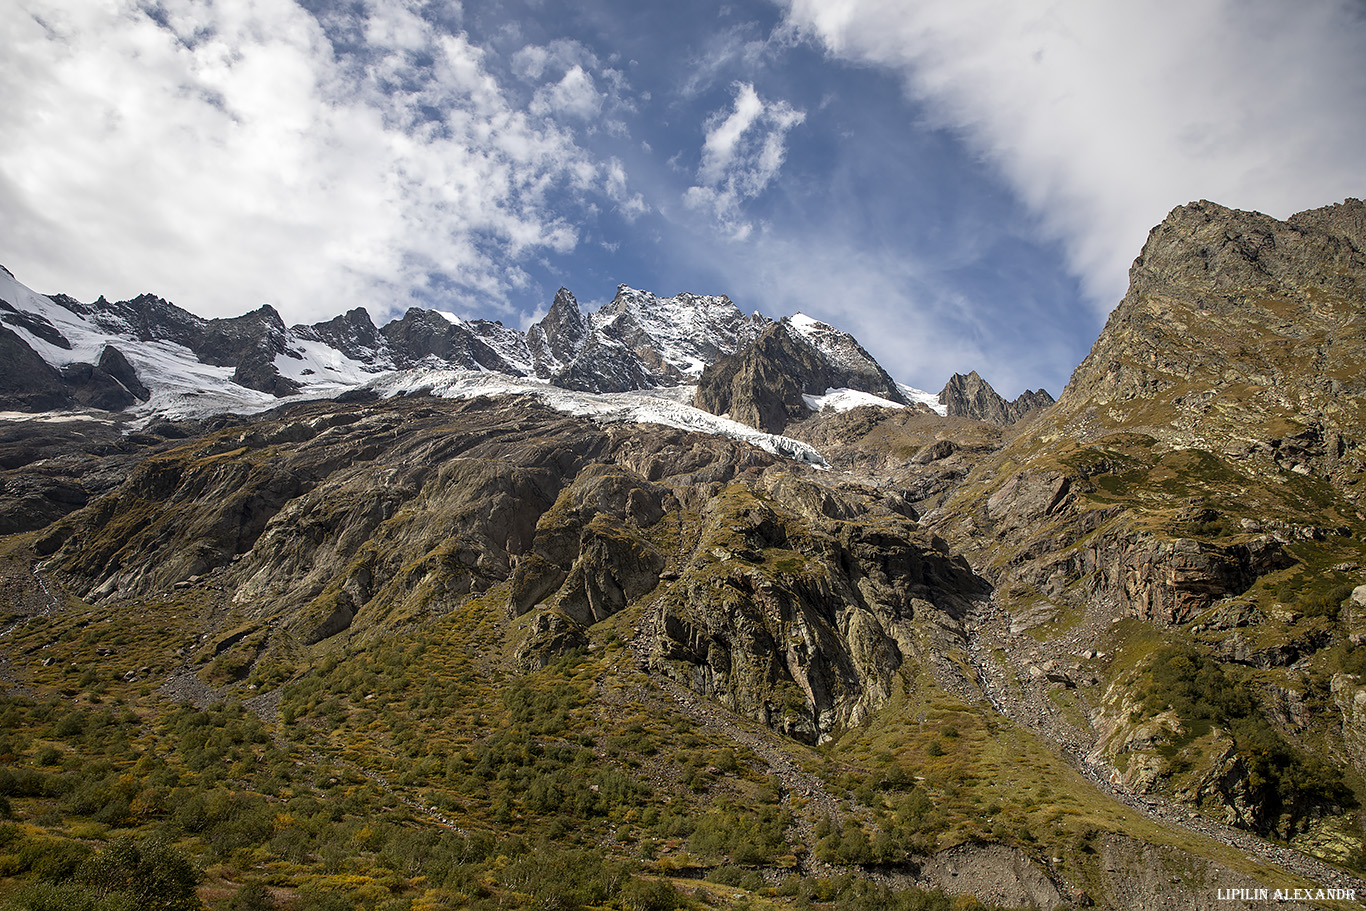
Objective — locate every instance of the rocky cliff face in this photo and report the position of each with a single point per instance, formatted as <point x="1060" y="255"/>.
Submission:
<point x="1233" y="308"/>
<point x="28" y="383"/>
<point x="558" y="338"/>
<point x="354" y="335"/>
<point x="763" y="385"/>
<point x="801" y="603"/>
<point x="791" y="601"/>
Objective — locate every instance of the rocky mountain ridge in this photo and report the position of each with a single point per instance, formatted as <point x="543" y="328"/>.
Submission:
<point x="765" y="383"/>
<point x="1200" y="475"/>
<point x="186" y="365"/>
<point x="637" y="341"/>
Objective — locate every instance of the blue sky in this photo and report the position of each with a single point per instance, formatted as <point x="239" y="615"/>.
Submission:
<point x="960" y="184"/>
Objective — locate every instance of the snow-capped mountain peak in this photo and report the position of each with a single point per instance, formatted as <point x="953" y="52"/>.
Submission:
<point x="148" y="357"/>
<point x="688" y="331"/>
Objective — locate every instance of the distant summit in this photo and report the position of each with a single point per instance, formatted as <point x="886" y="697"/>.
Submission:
<point x="766" y="385"/>
<point x="972" y="397"/>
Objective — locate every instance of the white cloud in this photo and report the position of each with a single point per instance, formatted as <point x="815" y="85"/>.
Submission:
<point x="718" y="151"/>
<point x="224" y="154"/>
<point x="575" y="95"/>
<point x="630" y="205"/>
<point x="725" y="51"/>
<point x="741" y="155"/>
<point x="1104" y="116"/>
<point x="395" y="25"/>
<point x="534" y="61"/>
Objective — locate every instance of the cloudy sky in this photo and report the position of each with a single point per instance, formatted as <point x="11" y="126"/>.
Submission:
<point x="960" y="183"/>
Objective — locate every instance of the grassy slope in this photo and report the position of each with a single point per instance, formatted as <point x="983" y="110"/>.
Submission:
<point x="583" y="766"/>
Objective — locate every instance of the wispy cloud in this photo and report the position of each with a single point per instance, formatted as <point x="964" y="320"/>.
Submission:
<point x="1104" y="116"/>
<point x="229" y="154"/>
<point x="738" y="47"/>
<point x="741" y="155"/>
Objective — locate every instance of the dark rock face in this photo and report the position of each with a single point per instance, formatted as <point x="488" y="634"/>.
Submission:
<point x="249" y="342"/>
<point x="763" y="384"/>
<point x="427" y="334"/>
<point x="795" y="616"/>
<point x="972" y="397"/>
<point x="27" y="383"/>
<point x="110" y="385"/>
<point x="850" y="364"/>
<point x="637" y="341"/>
<point x="664" y="332"/>
<point x="589" y="559"/>
<point x="559" y="337"/>
<point x="603" y="365"/>
<point x="146" y="317"/>
<point x="36" y="323"/>
<point x="421" y="333"/>
<point x="116" y="365"/>
<point x="33" y="501"/>
<point x="93" y="387"/>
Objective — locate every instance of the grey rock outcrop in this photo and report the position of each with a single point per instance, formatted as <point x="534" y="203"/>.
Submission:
<point x="762" y="385"/>
<point x="973" y="397"/>
<point x="558" y="338"/>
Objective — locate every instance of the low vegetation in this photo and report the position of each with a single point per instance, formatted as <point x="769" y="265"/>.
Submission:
<point x="417" y="773"/>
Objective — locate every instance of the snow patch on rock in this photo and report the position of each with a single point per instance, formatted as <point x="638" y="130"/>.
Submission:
<point x="845" y="399"/>
<point x="657" y="406"/>
<point x="929" y="399"/>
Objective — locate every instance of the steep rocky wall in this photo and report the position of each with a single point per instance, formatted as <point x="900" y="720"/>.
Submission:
<point x="799" y="618"/>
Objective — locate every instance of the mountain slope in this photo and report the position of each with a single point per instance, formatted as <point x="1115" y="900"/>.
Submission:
<point x="1198" y="476"/>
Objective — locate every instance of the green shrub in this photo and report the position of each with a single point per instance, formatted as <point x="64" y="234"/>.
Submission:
<point x="156" y="875"/>
<point x="45" y="896"/>
<point x="648" y="895"/>
<point x="564" y="881"/>
<point x="1201" y="692"/>
<point x="252" y="896"/>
